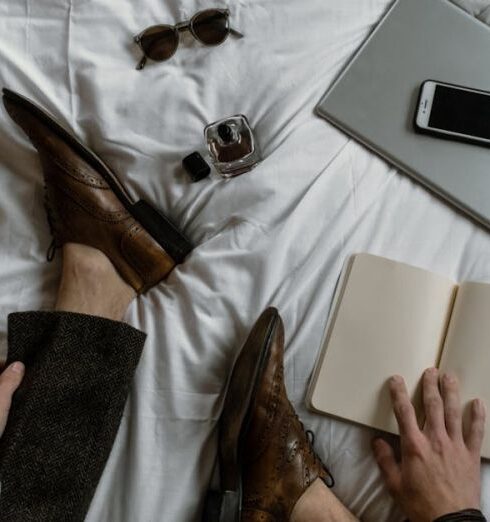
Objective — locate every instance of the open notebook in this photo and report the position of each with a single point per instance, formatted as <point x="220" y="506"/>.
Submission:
<point x="391" y="318"/>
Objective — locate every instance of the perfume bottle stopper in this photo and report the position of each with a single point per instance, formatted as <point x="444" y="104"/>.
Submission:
<point x="232" y="145"/>
<point x="225" y="132"/>
<point x="195" y="165"/>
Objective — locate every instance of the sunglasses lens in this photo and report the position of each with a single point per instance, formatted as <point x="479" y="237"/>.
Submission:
<point x="159" y="42"/>
<point x="211" y="26"/>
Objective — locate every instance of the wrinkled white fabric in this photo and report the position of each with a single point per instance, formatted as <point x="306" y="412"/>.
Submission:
<point x="276" y="236"/>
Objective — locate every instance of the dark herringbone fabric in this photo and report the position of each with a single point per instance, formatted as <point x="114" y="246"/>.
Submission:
<point x="66" y="414"/>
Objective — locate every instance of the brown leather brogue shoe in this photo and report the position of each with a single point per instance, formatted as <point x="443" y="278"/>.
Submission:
<point x="87" y="204"/>
<point x="266" y="457"/>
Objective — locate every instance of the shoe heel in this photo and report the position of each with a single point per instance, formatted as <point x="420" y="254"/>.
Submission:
<point x="162" y="230"/>
<point x="222" y="507"/>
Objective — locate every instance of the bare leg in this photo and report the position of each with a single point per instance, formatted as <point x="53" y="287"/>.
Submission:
<point x="79" y="368"/>
<point x="91" y="285"/>
<point x="319" y="504"/>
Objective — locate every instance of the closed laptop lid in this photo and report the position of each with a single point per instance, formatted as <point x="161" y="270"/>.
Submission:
<point x="375" y="98"/>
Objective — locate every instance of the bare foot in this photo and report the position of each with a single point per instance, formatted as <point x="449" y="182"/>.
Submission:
<point x="91" y="285"/>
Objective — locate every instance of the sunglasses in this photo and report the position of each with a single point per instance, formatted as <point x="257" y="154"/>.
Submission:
<point x="160" y="42"/>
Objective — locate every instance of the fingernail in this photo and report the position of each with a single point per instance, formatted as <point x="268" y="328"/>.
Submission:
<point x="396" y="379"/>
<point x="17" y="367"/>
<point x="449" y="378"/>
<point x="478" y="406"/>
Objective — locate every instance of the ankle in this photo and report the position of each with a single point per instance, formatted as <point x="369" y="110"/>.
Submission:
<point x="319" y="504"/>
<point x="310" y="504"/>
<point x="90" y="284"/>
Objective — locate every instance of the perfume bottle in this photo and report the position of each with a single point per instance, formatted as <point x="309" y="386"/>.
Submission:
<point x="232" y="145"/>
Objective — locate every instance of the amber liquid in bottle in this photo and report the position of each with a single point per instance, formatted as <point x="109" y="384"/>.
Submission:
<point x="232" y="146"/>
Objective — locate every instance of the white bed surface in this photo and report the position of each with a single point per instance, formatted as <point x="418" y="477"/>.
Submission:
<point x="276" y="236"/>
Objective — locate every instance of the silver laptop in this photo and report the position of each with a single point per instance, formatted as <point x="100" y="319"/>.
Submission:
<point x="375" y="98"/>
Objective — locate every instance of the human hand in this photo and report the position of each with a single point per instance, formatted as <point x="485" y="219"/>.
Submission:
<point x="10" y="380"/>
<point x="439" y="472"/>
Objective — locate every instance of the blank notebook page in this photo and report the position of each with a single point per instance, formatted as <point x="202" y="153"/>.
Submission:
<point x="467" y="349"/>
<point x="390" y="319"/>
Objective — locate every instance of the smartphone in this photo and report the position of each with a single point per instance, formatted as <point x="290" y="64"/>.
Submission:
<point x="454" y="112"/>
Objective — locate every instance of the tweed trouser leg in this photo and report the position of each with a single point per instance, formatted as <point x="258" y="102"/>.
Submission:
<point x="66" y="413"/>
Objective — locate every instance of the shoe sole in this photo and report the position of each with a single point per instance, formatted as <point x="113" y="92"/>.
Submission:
<point x="155" y="223"/>
<point x="225" y="506"/>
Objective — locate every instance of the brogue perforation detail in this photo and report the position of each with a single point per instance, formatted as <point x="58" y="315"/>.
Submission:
<point x="293" y="451"/>
<point x="103" y="215"/>
<point x="131" y="233"/>
<point x="272" y="406"/>
<point x="284" y="431"/>
<point x="77" y="174"/>
<point x="307" y="475"/>
<point x="275" y="478"/>
<point x="86" y="202"/>
<point x="133" y="260"/>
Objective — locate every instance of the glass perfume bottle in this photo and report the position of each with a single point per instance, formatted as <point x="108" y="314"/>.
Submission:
<point x="232" y="145"/>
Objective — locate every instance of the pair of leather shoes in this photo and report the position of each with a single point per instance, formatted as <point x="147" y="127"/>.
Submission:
<point x="266" y="458"/>
<point x="87" y="204"/>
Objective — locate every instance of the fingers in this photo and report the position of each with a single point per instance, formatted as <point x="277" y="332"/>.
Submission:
<point x="385" y="457"/>
<point x="9" y="382"/>
<point x="433" y="404"/>
<point x="403" y="408"/>
<point x="476" y="431"/>
<point x="453" y="412"/>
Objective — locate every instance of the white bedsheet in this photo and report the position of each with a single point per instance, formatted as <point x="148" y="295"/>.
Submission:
<point x="277" y="235"/>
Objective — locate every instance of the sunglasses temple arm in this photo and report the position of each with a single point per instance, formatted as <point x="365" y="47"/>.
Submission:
<point x="236" y="33"/>
<point x="141" y="64"/>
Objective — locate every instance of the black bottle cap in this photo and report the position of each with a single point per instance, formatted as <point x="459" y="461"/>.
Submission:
<point x="195" y="166"/>
<point x="225" y="132"/>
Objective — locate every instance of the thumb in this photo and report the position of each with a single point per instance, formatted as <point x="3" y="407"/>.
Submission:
<point x="10" y="380"/>
<point x="385" y="457"/>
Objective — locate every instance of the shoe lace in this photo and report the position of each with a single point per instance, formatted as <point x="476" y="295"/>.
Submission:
<point x="310" y="437"/>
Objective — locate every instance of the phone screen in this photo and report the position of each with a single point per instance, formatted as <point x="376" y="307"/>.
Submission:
<point x="461" y="111"/>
